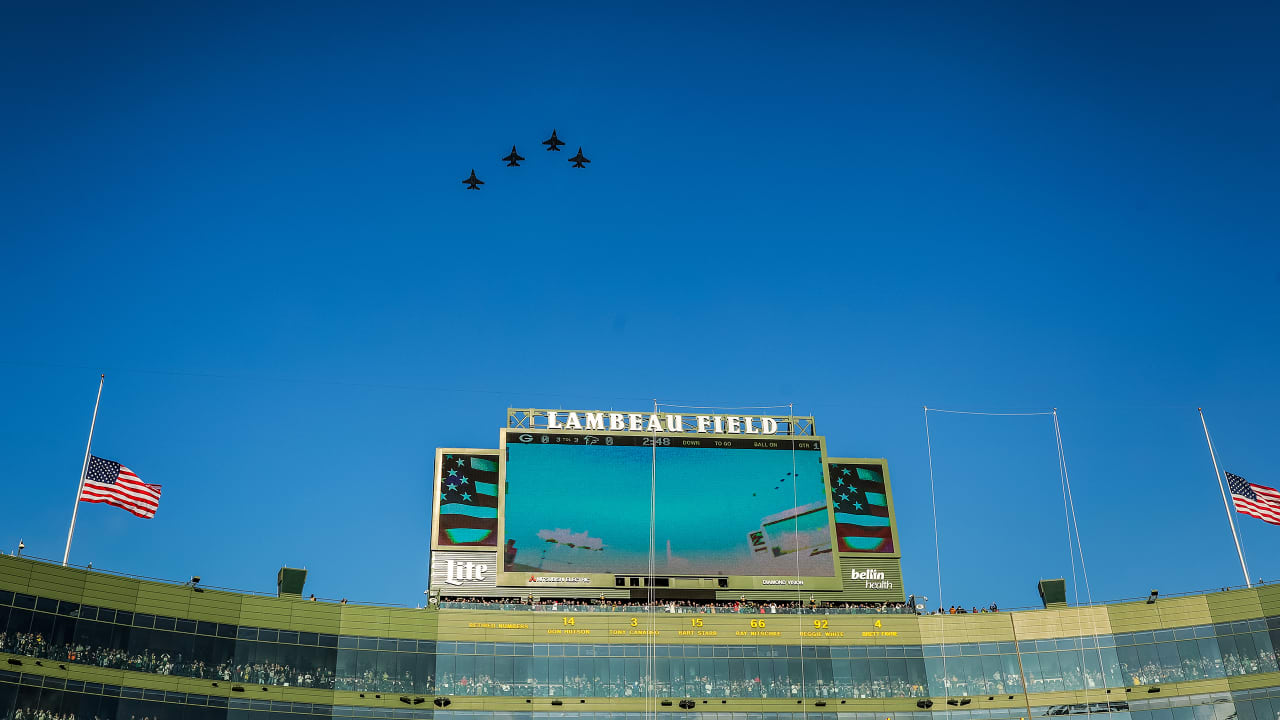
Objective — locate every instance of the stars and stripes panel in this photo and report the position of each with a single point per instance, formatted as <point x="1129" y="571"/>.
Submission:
<point x="116" y="485"/>
<point x="861" y="506"/>
<point x="1257" y="501"/>
<point x="467" y="493"/>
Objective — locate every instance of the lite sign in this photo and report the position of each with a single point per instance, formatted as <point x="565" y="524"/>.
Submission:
<point x="656" y="422"/>
<point x="458" y="572"/>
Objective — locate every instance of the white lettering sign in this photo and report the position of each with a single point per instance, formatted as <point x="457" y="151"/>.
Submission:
<point x="873" y="579"/>
<point x="558" y="579"/>
<point x="661" y="423"/>
<point x="456" y="573"/>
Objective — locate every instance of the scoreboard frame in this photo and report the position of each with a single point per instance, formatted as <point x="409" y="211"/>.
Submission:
<point x="851" y="569"/>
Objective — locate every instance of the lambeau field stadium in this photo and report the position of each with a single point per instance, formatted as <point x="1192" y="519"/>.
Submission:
<point x="623" y="566"/>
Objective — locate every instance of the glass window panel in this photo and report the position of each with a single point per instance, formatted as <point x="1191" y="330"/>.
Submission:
<point x="1170" y="662"/>
<point x="1149" y="671"/>
<point x="1210" y="658"/>
<point x="1031" y="669"/>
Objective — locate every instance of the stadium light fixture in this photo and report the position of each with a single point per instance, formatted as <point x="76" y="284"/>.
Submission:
<point x="1152" y="600"/>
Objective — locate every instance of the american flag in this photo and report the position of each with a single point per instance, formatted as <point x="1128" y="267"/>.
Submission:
<point x="467" y="492"/>
<point x="1259" y="501"/>
<point x="861" y="506"/>
<point x="114" y="484"/>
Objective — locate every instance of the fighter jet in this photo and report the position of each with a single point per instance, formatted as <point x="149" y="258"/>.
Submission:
<point x="473" y="182"/>
<point x="578" y="159"/>
<point x="512" y="160"/>
<point x="553" y="142"/>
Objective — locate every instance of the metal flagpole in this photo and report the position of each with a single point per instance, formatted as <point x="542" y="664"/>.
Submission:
<point x="83" y="469"/>
<point x="1230" y="519"/>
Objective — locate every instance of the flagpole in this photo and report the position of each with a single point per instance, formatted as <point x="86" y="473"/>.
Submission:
<point x="83" y="469"/>
<point x="1230" y="518"/>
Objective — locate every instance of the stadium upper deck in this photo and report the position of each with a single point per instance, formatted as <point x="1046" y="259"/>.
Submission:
<point x="79" y="645"/>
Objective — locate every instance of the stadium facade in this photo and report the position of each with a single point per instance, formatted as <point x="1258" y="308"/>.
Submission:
<point x="603" y="601"/>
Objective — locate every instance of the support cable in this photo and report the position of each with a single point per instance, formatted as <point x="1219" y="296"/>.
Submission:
<point x="651" y="697"/>
<point x="795" y="504"/>
<point x="1093" y="620"/>
<point x="937" y="552"/>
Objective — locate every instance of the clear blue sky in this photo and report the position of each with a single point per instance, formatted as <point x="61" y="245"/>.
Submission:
<point x="252" y="220"/>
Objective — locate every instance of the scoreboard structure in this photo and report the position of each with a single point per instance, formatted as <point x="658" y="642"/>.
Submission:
<point x="591" y="504"/>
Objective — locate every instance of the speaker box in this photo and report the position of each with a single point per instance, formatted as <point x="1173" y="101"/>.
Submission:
<point x="289" y="581"/>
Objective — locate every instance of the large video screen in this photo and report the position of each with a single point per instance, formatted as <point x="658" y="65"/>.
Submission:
<point x="576" y="505"/>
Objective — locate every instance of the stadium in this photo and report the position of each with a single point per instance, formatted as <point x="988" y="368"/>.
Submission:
<point x="576" y="575"/>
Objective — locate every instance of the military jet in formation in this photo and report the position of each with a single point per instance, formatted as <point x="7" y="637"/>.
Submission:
<point x="553" y="142"/>
<point x="513" y="159"/>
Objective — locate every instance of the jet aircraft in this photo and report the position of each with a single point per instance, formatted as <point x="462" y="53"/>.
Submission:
<point x="578" y="159"/>
<point x="553" y="142"/>
<point x="512" y="160"/>
<point x="473" y="182"/>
